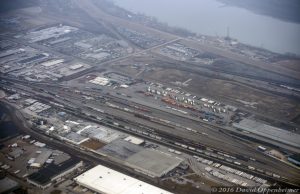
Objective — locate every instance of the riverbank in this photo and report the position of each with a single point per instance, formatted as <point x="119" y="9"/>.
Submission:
<point x="284" y="10"/>
<point x="212" y="18"/>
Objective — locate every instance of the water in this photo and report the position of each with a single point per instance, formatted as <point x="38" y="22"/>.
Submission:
<point x="210" y="17"/>
<point x="7" y="128"/>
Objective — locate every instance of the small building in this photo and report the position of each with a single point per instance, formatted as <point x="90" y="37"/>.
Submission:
<point x="26" y="137"/>
<point x="39" y="144"/>
<point x="76" y="66"/>
<point x="134" y="140"/>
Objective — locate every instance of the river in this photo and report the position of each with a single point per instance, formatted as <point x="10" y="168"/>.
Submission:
<point x="210" y="17"/>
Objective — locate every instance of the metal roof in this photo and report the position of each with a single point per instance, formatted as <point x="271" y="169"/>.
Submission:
<point x="270" y="132"/>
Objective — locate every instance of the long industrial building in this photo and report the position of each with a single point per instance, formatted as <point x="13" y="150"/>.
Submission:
<point x="153" y="163"/>
<point x="44" y="177"/>
<point x="270" y="132"/>
<point x="108" y="181"/>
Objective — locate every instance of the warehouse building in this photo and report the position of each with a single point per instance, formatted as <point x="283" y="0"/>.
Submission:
<point x="269" y="132"/>
<point x="153" y="163"/>
<point x="108" y="181"/>
<point x="45" y="176"/>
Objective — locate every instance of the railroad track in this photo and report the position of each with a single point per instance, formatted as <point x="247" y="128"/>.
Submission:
<point x="170" y="140"/>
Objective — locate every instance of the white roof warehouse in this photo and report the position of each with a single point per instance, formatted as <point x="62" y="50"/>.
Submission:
<point x="108" y="181"/>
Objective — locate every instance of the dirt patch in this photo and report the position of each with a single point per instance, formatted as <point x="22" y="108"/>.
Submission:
<point x="56" y="192"/>
<point x="182" y="189"/>
<point x="291" y="64"/>
<point x="93" y="144"/>
<point x="230" y="92"/>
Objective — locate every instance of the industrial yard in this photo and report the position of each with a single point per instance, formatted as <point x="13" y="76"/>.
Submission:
<point x="92" y="102"/>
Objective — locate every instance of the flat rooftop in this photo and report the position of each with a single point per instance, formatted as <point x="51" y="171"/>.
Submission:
<point x="44" y="175"/>
<point x="105" y="180"/>
<point x="42" y="157"/>
<point x="100" y="133"/>
<point x="75" y="138"/>
<point x="270" y="132"/>
<point x="8" y="185"/>
<point x="134" y="140"/>
<point x="120" y="149"/>
<point x="153" y="163"/>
